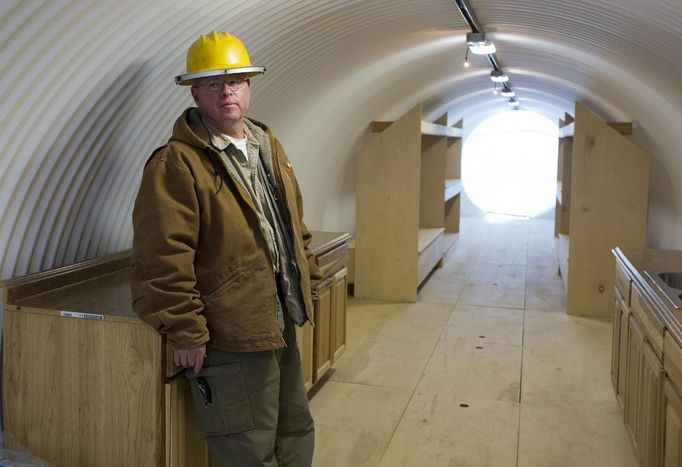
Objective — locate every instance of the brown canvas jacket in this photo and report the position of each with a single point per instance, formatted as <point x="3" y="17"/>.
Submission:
<point x="201" y="268"/>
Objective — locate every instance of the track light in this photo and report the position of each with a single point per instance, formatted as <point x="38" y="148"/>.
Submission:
<point x="479" y="45"/>
<point x="498" y="76"/>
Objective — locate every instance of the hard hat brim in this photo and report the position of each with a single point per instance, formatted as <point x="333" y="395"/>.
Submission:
<point x="251" y="71"/>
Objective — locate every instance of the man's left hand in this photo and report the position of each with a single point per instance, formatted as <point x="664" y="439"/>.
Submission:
<point x="192" y="357"/>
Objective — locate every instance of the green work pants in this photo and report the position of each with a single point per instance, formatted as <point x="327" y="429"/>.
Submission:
<point x="253" y="408"/>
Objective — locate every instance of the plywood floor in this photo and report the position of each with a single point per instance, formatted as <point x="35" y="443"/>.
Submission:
<point x="485" y="370"/>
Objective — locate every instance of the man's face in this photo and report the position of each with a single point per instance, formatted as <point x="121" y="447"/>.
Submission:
<point x="223" y="100"/>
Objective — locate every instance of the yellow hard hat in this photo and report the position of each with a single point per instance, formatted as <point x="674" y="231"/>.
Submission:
<point x="217" y="53"/>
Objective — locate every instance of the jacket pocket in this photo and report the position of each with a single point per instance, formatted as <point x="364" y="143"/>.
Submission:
<point x="221" y="400"/>
<point x="216" y="292"/>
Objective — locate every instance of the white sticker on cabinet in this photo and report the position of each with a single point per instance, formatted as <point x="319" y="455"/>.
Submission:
<point x="75" y="314"/>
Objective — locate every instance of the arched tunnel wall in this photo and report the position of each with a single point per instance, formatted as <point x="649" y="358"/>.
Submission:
<point x="88" y="93"/>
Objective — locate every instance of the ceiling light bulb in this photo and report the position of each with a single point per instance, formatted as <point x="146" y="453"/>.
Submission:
<point x="508" y="93"/>
<point x="479" y="45"/>
<point x="466" y="63"/>
<point x="483" y="49"/>
<point x="498" y="76"/>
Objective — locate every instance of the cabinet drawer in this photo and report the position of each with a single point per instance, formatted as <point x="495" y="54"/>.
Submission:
<point x="623" y="283"/>
<point x="653" y="330"/>
<point x="672" y="362"/>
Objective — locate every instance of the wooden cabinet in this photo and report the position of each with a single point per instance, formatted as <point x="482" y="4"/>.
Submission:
<point x="84" y="380"/>
<point x="601" y="203"/>
<point x="329" y="333"/>
<point x="672" y="402"/>
<point x="672" y="406"/>
<point x="646" y="364"/>
<point x="407" y="205"/>
<point x="185" y="445"/>
<point x="338" y="314"/>
<point x="304" y="339"/>
<point x="322" y="360"/>
<point x="86" y="383"/>
<point x="631" y="394"/>
<point x="642" y="394"/>
<point x="619" y="347"/>
<point x="650" y="408"/>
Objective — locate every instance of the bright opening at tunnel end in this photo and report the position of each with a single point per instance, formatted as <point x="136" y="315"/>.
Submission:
<point x="509" y="165"/>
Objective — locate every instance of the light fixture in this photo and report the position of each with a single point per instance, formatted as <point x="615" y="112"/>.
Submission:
<point x="498" y="76"/>
<point x="513" y="103"/>
<point x="466" y="59"/>
<point x="479" y="45"/>
<point x="507" y="93"/>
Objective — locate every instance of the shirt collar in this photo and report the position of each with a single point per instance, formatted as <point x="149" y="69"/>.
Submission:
<point x="220" y="141"/>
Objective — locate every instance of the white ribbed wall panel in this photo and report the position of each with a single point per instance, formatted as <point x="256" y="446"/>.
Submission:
<point x="87" y="94"/>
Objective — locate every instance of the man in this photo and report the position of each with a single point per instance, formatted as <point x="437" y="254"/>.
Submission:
<point x="221" y="264"/>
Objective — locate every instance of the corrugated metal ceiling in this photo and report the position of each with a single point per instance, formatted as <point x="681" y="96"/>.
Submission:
<point x="88" y="93"/>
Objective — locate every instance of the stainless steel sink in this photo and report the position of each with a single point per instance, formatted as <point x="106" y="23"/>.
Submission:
<point x="670" y="284"/>
<point x="672" y="279"/>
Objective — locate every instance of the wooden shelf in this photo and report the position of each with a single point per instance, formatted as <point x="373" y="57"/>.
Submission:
<point x="453" y="187"/>
<point x="449" y="239"/>
<point x="427" y="128"/>
<point x="624" y="128"/>
<point x="601" y="203"/>
<point x="430" y="251"/>
<point x="427" y="237"/>
<point x="407" y="186"/>
<point x="434" y="129"/>
<point x="566" y="130"/>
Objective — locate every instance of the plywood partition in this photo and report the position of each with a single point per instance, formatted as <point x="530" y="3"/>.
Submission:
<point x="608" y="206"/>
<point x="387" y="211"/>
<point x="563" y="205"/>
<point x="431" y="201"/>
<point x="453" y="158"/>
<point x="407" y="210"/>
<point x="453" y="171"/>
<point x="452" y="214"/>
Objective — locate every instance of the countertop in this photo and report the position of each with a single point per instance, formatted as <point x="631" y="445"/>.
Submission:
<point x="109" y="293"/>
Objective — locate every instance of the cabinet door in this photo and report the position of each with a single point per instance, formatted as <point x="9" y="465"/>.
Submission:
<point x="321" y="334"/>
<point x="304" y="338"/>
<point x="185" y="445"/>
<point x="672" y="402"/>
<point x="634" y="377"/>
<point x="615" y="346"/>
<point x="651" y="409"/>
<point x="82" y="392"/>
<point x="338" y="317"/>
<point x="623" y="354"/>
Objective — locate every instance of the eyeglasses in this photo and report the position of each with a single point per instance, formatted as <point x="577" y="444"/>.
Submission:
<point x="217" y="85"/>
